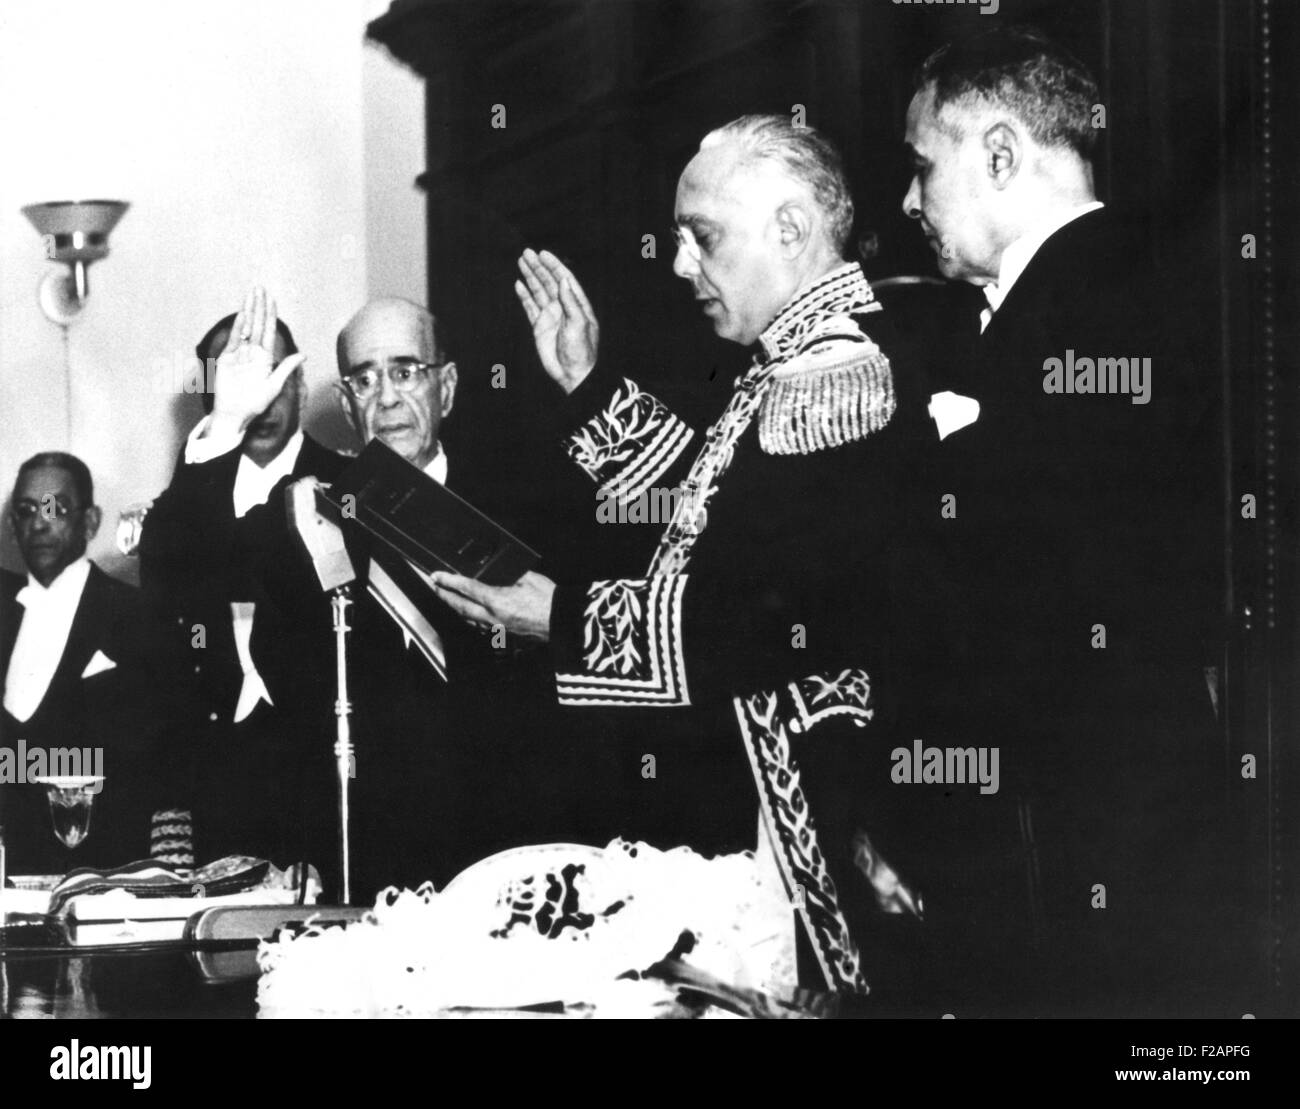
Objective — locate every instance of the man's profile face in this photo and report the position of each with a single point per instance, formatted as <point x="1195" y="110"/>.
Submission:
<point x="271" y="431"/>
<point x="950" y="192"/>
<point x="730" y="248"/>
<point x="399" y="394"/>
<point x="51" y="524"/>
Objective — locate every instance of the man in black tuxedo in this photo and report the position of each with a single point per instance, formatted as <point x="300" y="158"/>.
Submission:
<point x="1073" y="502"/>
<point x="247" y="751"/>
<point x="420" y="684"/>
<point x="84" y="667"/>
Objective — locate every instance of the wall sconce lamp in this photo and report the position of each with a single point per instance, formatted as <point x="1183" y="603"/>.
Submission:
<point x="75" y="232"/>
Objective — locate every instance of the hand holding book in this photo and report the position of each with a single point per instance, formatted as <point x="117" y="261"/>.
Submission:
<point x="522" y="609"/>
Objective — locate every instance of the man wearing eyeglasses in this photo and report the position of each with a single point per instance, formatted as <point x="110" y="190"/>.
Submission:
<point x="408" y="658"/>
<point x="84" y="667"/>
<point x="398" y="386"/>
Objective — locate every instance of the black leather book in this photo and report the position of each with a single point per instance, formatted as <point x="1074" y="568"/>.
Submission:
<point x="425" y="522"/>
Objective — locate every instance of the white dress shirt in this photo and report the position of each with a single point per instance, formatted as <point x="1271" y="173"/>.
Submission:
<point x="437" y="467"/>
<point x="42" y="637"/>
<point x="253" y="485"/>
<point x="200" y="448"/>
<point x="1016" y="257"/>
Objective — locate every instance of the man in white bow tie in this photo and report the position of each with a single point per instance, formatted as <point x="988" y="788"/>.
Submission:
<point x="407" y="656"/>
<point x="83" y="668"/>
<point x="235" y="728"/>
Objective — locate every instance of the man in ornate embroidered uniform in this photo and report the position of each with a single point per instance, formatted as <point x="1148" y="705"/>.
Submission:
<point x="764" y="609"/>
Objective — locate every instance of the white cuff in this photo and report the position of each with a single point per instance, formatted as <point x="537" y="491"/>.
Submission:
<point x="199" y="448"/>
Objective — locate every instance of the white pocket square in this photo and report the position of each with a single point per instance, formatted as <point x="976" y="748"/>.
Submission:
<point x="952" y="412"/>
<point x="98" y="664"/>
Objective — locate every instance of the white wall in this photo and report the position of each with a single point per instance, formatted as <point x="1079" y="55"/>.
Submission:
<point x="396" y="220"/>
<point x="250" y="138"/>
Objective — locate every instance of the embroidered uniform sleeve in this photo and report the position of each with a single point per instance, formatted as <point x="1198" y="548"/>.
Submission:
<point x="627" y="649"/>
<point x="805" y="589"/>
<point x="777" y="570"/>
<point x="629" y="444"/>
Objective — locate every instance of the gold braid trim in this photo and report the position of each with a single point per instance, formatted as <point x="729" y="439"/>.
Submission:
<point x="767" y="722"/>
<point x="820" y="406"/>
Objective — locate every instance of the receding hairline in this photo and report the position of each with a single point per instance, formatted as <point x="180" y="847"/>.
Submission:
<point x="806" y="163"/>
<point x="742" y="163"/>
<point x="426" y="320"/>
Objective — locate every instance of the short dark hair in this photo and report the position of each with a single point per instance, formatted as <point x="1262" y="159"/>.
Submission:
<point x="805" y="154"/>
<point x="69" y="464"/>
<point x="224" y="326"/>
<point x="1018" y="68"/>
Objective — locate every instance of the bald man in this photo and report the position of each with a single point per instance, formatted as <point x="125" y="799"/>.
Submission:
<point x="398" y="384"/>
<point x="416" y="698"/>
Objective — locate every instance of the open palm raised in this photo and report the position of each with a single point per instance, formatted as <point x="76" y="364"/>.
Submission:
<point x="564" y="326"/>
<point x="248" y="379"/>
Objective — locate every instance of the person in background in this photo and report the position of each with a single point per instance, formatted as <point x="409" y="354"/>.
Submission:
<point x="1082" y="509"/>
<point x="422" y="686"/>
<point x="85" y="666"/>
<point x="247" y="752"/>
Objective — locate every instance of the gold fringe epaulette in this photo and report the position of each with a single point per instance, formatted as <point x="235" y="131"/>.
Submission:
<point x="839" y="393"/>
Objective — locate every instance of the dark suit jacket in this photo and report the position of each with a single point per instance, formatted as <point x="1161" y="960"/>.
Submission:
<point x="127" y="711"/>
<point x="446" y="771"/>
<point x="186" y="562"/>
<point x="1077" y="513"/>
<point x="422" y="791"/>
<point x="246" y="793"/>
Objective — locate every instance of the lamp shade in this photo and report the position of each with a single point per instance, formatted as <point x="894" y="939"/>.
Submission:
<point x="76" y="230"/>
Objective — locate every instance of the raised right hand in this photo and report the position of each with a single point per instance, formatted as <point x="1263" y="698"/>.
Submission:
<point x="247" y="378"/>
<point x="564" y="326"/>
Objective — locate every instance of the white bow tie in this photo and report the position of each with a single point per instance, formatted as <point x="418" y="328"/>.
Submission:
<point x="33" y="597"/>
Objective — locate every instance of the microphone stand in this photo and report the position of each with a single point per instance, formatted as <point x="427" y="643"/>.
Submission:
<point x="344" y="758"/>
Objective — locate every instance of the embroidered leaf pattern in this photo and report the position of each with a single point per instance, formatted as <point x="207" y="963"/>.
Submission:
<point x="626" y="427"/>
<point x="767" y="728"/>
<point x="613" y="628"/>
<point x="851" y="687"/>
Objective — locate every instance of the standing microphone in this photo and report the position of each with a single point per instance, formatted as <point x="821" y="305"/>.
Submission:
<point x="322" y="540"/>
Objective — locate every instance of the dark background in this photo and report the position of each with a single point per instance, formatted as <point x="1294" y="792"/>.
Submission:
<point x="606" y="100"/>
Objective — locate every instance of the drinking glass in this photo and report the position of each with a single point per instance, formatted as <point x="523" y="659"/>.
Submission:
<point x="70" y="805"/>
